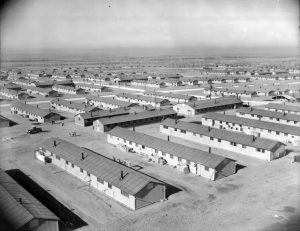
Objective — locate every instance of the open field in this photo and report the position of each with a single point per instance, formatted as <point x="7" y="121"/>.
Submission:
<point x="260" y="196"/>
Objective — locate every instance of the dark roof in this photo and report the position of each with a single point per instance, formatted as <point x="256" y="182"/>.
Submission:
<point x="31" y="109"/>
<point x="249" y="140"/>
<point x="44" y="83"/>
<point x="15" y="213"/>
<point x="283" y="107"/>
<point x="141" y="97"/>
<point x="214" y="102"/>
<point x="104" y="113"/>
<point x="138" y="116"/>
<point x="253" y="123"/>
<point x="271" y="114"/>
<point x="237" y="91"/>
<point x="2" y="118"/>
<point x="100" y="166"/>
<point x="73" y="105"/>
<point x="169" y="95"/>
<point x="196" y="155"/>
<point x="82" y="85"/>
<point x="109" y="100"/>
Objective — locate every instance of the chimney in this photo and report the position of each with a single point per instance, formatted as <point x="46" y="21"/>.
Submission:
<point x="37" y="106"/>
<point x="122" y="175"/>
<point x="70" y="102"/>
<point x="251" y="108"/>
<point x="168" y="138"/>
<point x="82" y="156"/>
<point x="253" y="138"/>
<point x="20" y="200"/>
<point x="209" y="149"/>
<point x="54" y="143"/>
<point x="208" y="129"/>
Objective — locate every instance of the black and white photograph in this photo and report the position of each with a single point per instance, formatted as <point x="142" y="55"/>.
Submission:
<point x="139" y="115"/>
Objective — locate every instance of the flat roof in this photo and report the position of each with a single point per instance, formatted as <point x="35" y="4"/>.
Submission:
<point x="102" y="167"/>
<point x="271" y="114"/>
<point x="283" y="107"/>
<point x="237" y="137"/>
<point x="195" y="155"/>
<point x="138" y="116"/>
<point x="253" y="123"/>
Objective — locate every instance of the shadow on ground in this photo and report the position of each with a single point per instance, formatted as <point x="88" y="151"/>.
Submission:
<point x="68" y="219"/>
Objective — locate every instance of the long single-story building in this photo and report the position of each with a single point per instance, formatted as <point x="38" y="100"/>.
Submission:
<point x="150" y="83"/>
<point x="231" y="92"/>
<point x="130" y="187"/>
<point x="142" y="100"/>
<point x="271" y="116"/>
<point x="22" y="211"/>
<point x="106" y="124"/>
<point x="68" y="90"/>
<point x="46" y="92"/>
<point x="33" y="112"/>
<point x="14" y="94"/>
<point x="292" y="109"/>
<point x="87" y="118"/>
<point x="108" y="102"/>
<point x="205" y="164"/>
<point x="276" y="131"/>
<point x="93" y="87"/>
<point x="177" y="98"/>
<point x="203" y="106"/>
<point x="250" y="145"/>
<point x="73" y="107"/>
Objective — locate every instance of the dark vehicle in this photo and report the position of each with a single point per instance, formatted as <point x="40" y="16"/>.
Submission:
<point x="34" y="130"/>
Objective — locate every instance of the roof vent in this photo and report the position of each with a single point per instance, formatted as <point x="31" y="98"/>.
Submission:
<point x="122" y="175"/>
<point x="20" y="200"/>
<point x="82" y="156"/>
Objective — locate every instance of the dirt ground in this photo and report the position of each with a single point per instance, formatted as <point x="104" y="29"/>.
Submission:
<point x="260" y="196"/>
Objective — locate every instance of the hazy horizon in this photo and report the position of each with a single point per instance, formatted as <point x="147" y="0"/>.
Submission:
<point x="135" y="27"/>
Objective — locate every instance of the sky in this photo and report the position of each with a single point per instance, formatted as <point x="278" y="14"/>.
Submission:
<point x="39" y="25"/>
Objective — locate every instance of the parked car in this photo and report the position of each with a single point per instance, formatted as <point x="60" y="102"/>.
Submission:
<point x="34" y="130"/>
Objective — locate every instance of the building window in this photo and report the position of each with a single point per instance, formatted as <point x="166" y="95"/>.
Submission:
<point x="130" y="142"/>
<point x="263" y="150"/>
<point x="179" y="158"/>
<point x="269" y="131"/>
<point x="88" y="173"/>
<point x="109" y="185"/>
<point x="81" y="170"/>
<point x="72" y="165"/>
<point x="258" y="149"/>
<point x="143" y="146"/>
<point x="57" y="157"/>
<point x="206" y="168"/>
<point x="163" y="153"/>
<point x="67" y="162"/>
<point x="211" y="138"/>
<point x="277" y="133"/>
<point x="171" y="156"/>
<point x="165" y="127"/>
<point x="277" y="119"/>
<point x="219" y="140"/>
<point x="175" y="129"/>
<point x="125" y="193"/>
<point x="233" y="143"/>
<point x="243" y="146"/>
<point x="183" y="131"/>
<point x="194" y="133"/>
<point x="100" y="181"/>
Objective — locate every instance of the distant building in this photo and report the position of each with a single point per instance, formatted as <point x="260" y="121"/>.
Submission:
<point x="198" y="162"/>
<point x="108" y="102"/>
<point x="177" y="98"/>
<point x="106" y="124"/>
<point x="14" y="94"/>
<point x="244" y="144"/>
<point x="230" y="92"/>
<point x="142" y="100"/>
<point x="129" y="187"/>
<point x="68" y="90"/>
<point x="73" y="107"/>
<point x="93" y="87"/>
<point x="46" y="92"/>
<point x="33" y="112"/>
<point x="283" y="108"/>
<point x="5" y="122"/>
<point x="22" y="211"/>
<point x="271" y="116"/>
<point x="87" y="118"/>
<point x="276" y="131"/>
<point x="203" y="106"/>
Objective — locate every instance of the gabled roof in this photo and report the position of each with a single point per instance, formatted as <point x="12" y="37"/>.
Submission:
<point x="138" y="116"/>
<point x="209" y="103"/>
<point x="253" y="123"/>
<point x="110" y="100"/>
<point x="256" y="142"/>
<point x="283" y="107"/>
<point x="103" y="113"/>
<point x="169" y="95"/>
<point x="195" y="155"/>
<point x="18" y="214"/>
<point x="142" y="97"/>
<point x="82" y="85"/>
<point x="270" y="114"/>
<point x="100" y="166"/>
<point x="73" y="105"/>
<point x="31" y="109"/>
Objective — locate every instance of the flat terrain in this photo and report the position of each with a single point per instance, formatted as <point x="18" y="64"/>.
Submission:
<point x="260" y="196"/>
